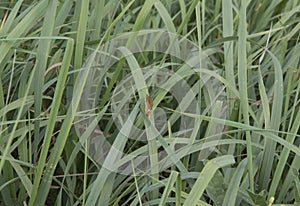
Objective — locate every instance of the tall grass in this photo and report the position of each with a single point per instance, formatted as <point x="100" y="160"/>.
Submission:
<point x="231" y="139"/>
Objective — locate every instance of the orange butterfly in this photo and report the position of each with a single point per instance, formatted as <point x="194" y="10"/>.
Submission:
<point x="148" y="105"/>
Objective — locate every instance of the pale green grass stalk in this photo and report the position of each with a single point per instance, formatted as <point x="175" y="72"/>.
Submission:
<point x="171" y="181"/>
<point x="270" y="146"/>
<point x="243" y="87"/>
<point x="81" y="33"/>
<point x="43" y="51"/>
<point x="228" y="23"/>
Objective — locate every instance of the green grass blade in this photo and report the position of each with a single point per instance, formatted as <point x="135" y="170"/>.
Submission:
<point x="205" y="176"/>
<point x="285" y="152"/>
<point x="171" y="181"/>
<point x="165" y="16"/>
<point x="22" y="28"/>
<point x="228" y="48"/>
<point x="81" y="33"/>
<point x="11" y="18"/>
<point x="243" y="87"/>
<point x="111" y="158"/>
<point x="178" y="190"/>
<point x="53" y="117"/>
<point x="270" y="146"/>
<point x="232" y="191"/>
<point x="23" y="176"/>
<point x="42" y="57"/>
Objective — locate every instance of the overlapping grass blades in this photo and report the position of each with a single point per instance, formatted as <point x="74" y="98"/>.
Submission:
<point x="243" y="147"/>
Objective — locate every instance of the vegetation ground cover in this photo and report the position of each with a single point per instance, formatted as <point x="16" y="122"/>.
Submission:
<point x="238" y="146"/>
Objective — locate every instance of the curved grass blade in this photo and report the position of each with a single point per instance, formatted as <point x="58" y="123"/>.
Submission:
<point x="205" y="176"/>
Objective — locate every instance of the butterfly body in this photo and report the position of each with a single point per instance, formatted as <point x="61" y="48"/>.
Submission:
<point x="148" y="105"/>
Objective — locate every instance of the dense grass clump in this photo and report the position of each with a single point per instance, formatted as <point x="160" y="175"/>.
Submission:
<point x="149" y="102"/>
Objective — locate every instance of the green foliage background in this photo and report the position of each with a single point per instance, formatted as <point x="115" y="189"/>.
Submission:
<point x="255" y="45"/>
